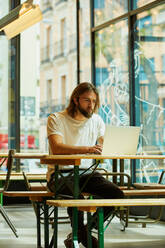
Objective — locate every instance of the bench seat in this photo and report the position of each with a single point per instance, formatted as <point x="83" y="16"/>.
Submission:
<point x="28" y="193"/>
<point x="107" y="202"/>
<point x="147" y="192"/>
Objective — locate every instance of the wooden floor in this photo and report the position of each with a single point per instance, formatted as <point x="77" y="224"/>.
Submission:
<point x="153" y="236"/>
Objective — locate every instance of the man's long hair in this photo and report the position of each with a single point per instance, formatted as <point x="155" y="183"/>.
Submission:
<point x="79" y="90"/>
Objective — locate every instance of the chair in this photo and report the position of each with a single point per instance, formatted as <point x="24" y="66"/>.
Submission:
<point x="5" y="187"/>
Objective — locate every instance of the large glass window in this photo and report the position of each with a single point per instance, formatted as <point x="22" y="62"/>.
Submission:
<point x="58" y="70"/>
<point x="48" y="73"/>
<point x="150" y="88"/>
<point x="4" y="78"/>
<point x="30" y="93"/>
<point x="109" y="9"/>
<point x="111" y="75"/>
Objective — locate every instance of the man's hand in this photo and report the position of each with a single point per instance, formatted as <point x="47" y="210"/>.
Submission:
<point x="97" y="149"/>
<point x="57" y="146"/>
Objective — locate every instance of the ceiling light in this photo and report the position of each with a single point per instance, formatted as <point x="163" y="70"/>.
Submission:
<point x="20" y="18"/>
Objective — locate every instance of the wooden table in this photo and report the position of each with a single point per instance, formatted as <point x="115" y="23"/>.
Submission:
<point x="75" y="160"/>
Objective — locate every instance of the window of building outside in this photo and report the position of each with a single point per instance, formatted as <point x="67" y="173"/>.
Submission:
<point x="48" y="41"/>
<point x="149" y="47"/>
<point x="63" y="90"/>
<point x="49" y="92"/>
<point x="84" y="41"/>
<point x="106" y="10"/>
<point x="63" y="36"/>
<point x="140" y="3"/>
<point x="4" y="78"/>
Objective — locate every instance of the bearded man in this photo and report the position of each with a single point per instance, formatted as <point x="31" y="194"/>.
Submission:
<point x="80" y="130"/>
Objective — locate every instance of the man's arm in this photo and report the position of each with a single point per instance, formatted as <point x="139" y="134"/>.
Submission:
<point x="100" y="140"/>
<point x="57" y="147"/>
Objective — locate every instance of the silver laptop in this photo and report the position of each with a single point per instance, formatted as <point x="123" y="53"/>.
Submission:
<point x="121" y="140"/>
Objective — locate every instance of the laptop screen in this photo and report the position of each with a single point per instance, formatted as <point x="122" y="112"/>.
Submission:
<point x="121" y="140"/>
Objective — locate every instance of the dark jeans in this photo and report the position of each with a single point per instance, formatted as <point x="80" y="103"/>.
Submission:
<point x="97" y="186"/>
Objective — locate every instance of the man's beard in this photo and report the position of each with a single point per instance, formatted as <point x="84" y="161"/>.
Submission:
<point x="84" y="112"/>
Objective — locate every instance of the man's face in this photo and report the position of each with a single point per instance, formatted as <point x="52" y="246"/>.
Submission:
<point x="86" y="103"/>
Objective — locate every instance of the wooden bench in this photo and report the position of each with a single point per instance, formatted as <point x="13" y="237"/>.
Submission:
<point x="38" y="186"/>
<point x="107" y="202"/>
<point x="158" y="185"/>
<point x="143" y="220"/>
<point x="39" y="197"/>
<point x="132" y="192"/>
<point x="19" y="176"/>
<point x="100" y="204"/>
<point x="38" y="181"/>
<point x="144" y="192"/>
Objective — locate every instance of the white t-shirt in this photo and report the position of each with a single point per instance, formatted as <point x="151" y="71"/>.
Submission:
<point x="74" y="132"/>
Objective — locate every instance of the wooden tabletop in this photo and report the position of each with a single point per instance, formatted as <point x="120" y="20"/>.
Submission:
<point x="81" y="156"/>
<point x="100" y="157"/>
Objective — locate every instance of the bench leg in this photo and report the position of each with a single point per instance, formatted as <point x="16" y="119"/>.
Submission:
<point x="54" y="239"/>
<point x="38" y="226"/>
<point x="89" y="220"/>
<point x="101" y="227"/>
<point x="1" y="194"/>
<point x="46" y="226"/>
<point x="75" y="228"/>
<point x="55" y="227"/>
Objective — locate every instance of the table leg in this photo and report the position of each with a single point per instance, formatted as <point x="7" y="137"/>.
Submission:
<point x="75" y="210"/>
<point x="121" y="170"/>
<point x="55" y="236"/>
<point x="101" y="227"/>
<point x="89" y="220"/>
<point x="114" y="169"/>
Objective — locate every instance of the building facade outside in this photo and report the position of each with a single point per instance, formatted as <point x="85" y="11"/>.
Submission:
<point x="58" y="64"/>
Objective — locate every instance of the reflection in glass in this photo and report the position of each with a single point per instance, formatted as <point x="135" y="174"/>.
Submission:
<point x="105" y="10"/>
<point x="150" y="87"/>
<point x="111" y="73"/>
